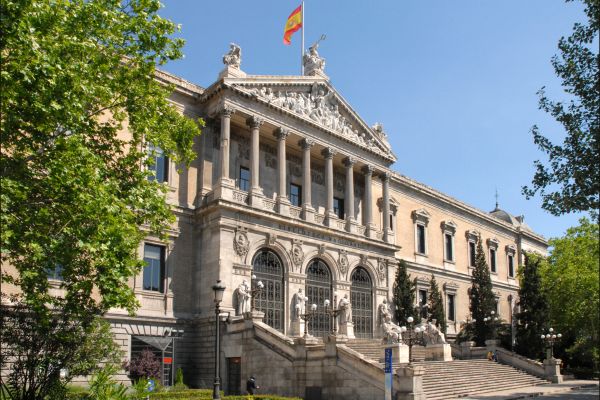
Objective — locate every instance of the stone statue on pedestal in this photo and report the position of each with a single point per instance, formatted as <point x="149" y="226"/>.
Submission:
<point x="299" y="304"/>
<point x="312" y="61"/>
<point x="234" y="57"/>
<point x="345" y="310"/>
<point x="384" y="312"/>
<point x="432" y="335"/>
<point x="392" y="333"/>
<point x="243" y="298"/>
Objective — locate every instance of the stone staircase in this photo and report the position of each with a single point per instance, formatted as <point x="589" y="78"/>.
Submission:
<point x="459" y="378"/>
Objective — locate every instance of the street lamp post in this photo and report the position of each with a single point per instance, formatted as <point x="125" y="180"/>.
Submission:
<point x="493" y="320"/>
<point x="218" y="290"/>
<point x="410" y="335"/>
<point x="549" y="339"/>
<point x="307" y="317"/>
<point x="333" y="313"/>
<point x="255" y="291"/>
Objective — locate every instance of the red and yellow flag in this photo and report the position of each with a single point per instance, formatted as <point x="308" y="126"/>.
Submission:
<point x="294" y="22"/>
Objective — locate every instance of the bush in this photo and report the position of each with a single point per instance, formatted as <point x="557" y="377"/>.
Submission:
<point x="145" y="365"/>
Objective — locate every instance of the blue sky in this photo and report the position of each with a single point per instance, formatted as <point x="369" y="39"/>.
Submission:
<point x="453" y="82"/>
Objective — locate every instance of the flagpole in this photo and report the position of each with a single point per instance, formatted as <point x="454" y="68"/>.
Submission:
<point x="302" y="48"/>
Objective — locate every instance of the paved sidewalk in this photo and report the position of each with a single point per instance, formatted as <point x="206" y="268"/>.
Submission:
<point x="534" y="391"/>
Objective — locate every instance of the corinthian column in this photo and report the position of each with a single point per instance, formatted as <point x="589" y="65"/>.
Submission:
<point x="256" y="193"/>
<point x="349" y="195"/>
<point x="308" y="212"/>
<point x="385" y="179"/>
<point x="368" y="202"/>
<point x="226" y="113"/>
<point x="283" y="203"/>
<point x="328" y="153"/>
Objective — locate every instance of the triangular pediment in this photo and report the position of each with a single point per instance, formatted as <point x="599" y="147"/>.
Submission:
<point x="317" y="102"/>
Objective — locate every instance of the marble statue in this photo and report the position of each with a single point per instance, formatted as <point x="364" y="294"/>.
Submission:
<point x="432" y="335"/>
<point x="299" y="304"/>
<point x="312" y="61"/>
<point x="384" y="312"/>
<point x="392" y="333"/>
<point x="243" y="297"/>
<point x="345" y="310"/>
<point x="234" y="57"/>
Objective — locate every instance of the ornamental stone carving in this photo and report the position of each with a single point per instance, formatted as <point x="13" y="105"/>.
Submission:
<point x="313" y="63"/>
<point x="322" y="249"/>
<point x="295" y="164"/>
<point x="381" y="269"/>
<point x="241" y="244"/>
<point x="234" y="57"/>
<point x="343" y="263"/>
<point x="297" y="254"/>
<point x="271" y="239"/>
<point x="317" y="176"/>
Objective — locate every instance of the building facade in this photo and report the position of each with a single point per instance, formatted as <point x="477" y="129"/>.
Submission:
<point x="291" y="186"/>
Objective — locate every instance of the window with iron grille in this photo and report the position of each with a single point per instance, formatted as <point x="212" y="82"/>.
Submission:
<point x="319" y="289"/>
<point x="268" y="268"/>
<point x="361" y="299"/>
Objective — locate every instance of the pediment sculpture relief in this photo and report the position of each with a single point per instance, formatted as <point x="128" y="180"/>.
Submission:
<point x="320" y="105"/>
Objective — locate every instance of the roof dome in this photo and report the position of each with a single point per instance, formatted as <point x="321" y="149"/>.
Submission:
<point x="511" y="219"/>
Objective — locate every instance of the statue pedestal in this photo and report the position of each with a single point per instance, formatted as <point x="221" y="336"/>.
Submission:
<point x="400" y="353"/>
<point x="231" y="72"/>
<point x="438" y="352"/>
<point x="411" y="382"/>
<point x="347" y="330"/>
<point x="552" y="370"/>
<point x="297" y="328"/>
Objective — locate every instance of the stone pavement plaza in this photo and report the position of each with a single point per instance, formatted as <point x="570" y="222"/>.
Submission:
<point x="575" y="389"/>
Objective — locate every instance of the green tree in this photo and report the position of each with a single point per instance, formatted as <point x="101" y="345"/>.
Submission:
<point x="37" y="348"/>
<point x="75" y="190"/>
<point x="570" y="280"/>
<point x="436" y="305"/>
<point x="403" y="294"/>
<point x="532" y="319"/>
<point x="481" y="296"/>
<point x="570" y="181"/>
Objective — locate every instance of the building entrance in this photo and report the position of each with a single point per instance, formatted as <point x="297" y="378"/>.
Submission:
<point x="268" y="268"/>
<point x="361" y="298"/>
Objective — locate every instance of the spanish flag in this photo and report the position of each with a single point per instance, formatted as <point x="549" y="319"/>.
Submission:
<point x="294" y="22"/>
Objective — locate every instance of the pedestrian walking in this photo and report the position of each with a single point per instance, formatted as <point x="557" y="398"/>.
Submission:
<point x="251" y="385"/>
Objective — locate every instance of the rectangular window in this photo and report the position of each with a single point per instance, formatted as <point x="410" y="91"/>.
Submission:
<point x="421" y="239"/>
<point x="423" y="302"/>
<point x="471" y="254"/>
<point x="55" y="273"/>
<point x="493" y="260"/>
<point x="295" y="195"/>
<point x="449" y="247"/>
<point x="159" y="165"/>
<point x="511" y="265"/>
<point x="338" y="207"/>
<point x="451" y="310"/>
<point x="154" y="271"/>
<point x="244" y="179"/>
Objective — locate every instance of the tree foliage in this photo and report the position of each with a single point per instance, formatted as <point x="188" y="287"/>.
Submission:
<point x="481" y="296"/>
<point x="37" y="346"/>
<point x="532" y="319"/>
<point x="75" y="75"/>
<point x="571" y="283"/>
<point x="403" y="294"/>
<point x="436" y="305"/>
<point x="144" y="365"/>
<point x="570" y="181"/>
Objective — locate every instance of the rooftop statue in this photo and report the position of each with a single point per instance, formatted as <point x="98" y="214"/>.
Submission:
<point x="312" y="61"/>
<point x="234" y="57"/>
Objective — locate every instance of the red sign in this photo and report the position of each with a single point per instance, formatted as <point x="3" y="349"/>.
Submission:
<point x="167" y="360"/>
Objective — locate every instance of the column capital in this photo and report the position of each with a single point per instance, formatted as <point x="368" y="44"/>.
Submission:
<point x="349" y="161"/>
<point x="306" y="143"/>
<point x="385" y="176"/>
<point x="328" y="152"/>
<point x="368" y="169"/>
<point x="281" y="133"/>
<point x="254" y="122"/>
<point x="226" y="111"/>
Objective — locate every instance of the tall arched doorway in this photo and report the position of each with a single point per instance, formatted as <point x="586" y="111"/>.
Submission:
<point x="318" y="289"/>
<point x="268" y="268"/>
<point x="361" y="298"/>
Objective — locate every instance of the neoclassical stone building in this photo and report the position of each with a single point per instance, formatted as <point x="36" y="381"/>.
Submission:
<point x="293" y="186"/>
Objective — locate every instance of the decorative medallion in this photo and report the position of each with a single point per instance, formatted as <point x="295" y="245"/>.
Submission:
<point x="317" y="176"/>
<point x="297" y="254"/>
<point x="295" y="164"/>
<point x="241" y="244"/>
<point x="343" y="262"/>
<point x="381" y="269"/>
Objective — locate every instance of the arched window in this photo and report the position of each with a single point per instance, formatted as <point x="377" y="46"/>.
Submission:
<point x="361" y="298"/>
<point x="318" y="289"/>
<point x="268" y="268"/>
